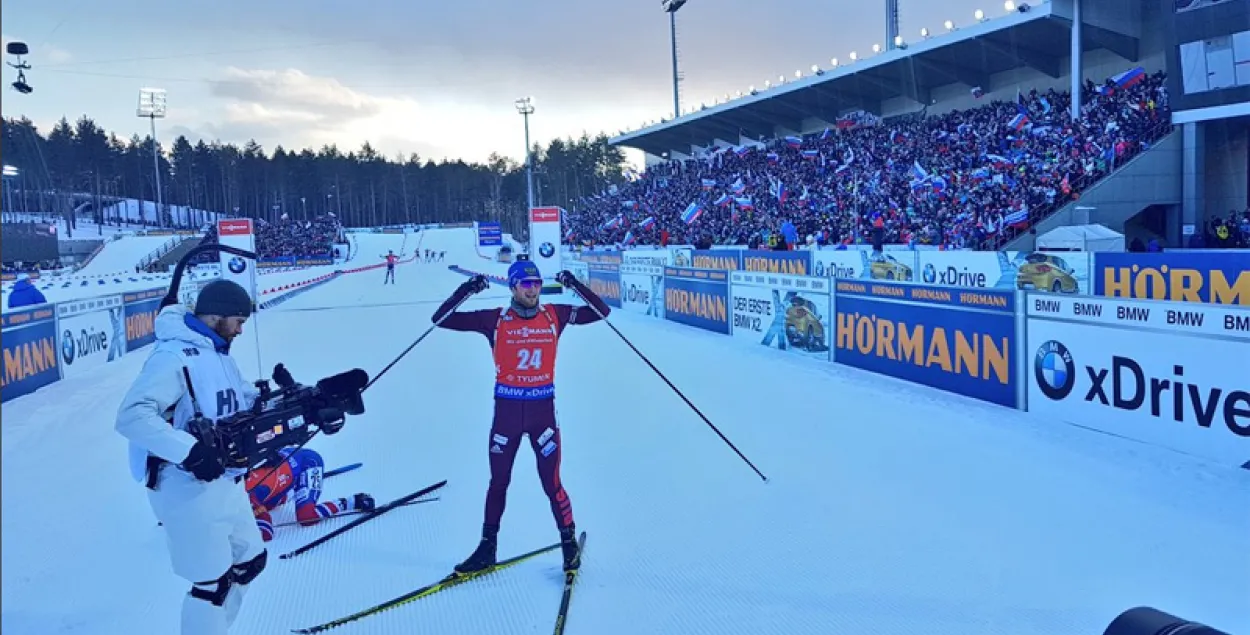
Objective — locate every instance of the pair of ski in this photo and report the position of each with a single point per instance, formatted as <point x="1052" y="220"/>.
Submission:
<point x="455" y="579"/>
<point x="365" y="517"/>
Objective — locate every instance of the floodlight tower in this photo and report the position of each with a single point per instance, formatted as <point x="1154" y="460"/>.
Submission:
<point x="152" y="105"/>
<point x="525" y="106"/>
<point x="891" y="23"/>
<point x="671" y="7"/>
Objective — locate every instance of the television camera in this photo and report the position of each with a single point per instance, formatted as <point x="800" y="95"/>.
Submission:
<point x="290" y="415"/>
<point x="251" y="439"/>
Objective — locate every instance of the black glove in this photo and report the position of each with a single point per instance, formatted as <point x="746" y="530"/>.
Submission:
<point x="331" y="420"/>
<point x="476" y="284"/>
<point x="566" y="278"/>
<point x="204" y="461"/>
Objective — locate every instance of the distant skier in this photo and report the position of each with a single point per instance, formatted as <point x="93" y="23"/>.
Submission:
<point x="390" y="266"/>
<point x="440" y="255"/>
<point x="524" y="338"/>
<point x="302" y="472"/>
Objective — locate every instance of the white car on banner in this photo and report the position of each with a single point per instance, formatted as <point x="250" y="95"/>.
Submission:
<point x="642" y="289"/>
<point x="91" y="333"/>
<point x="1056" y="272"/>
<point x="1173" y="377"/>
<point x="781" y="311"/>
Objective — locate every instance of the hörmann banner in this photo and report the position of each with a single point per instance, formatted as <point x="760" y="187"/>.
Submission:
<point x="141" y="309"/>
<point x="959" y="340"/>
<point x="697" y="297"/>
<point x="605" y="281"/>
<point x="1212" y="277"/>
<point x="31" y="359"/>
<point x="790" y="313"/>
<point x="1176" y="376"/>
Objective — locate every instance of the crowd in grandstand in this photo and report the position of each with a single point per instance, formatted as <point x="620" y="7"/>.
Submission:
<point x="287" y="237"/>
<point x="965" y="178"/>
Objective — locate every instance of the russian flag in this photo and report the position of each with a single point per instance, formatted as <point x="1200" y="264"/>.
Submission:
<point x="741" y="151"/>
<point x="794" y="142"/>
<point x="738" y="186"/>
<point x="811" y="155"/>
<point x="723" y="200"/>
<point x="1018" y="122"/>
<point x="826" y="134"/>
<point x="1017" y="218"/>
<point x="782" y="192"/>
<point x="709" y="184"/>
<point x="773" y="158"/>
<point x="744" y="203"/>
<point x="629" y="238"/>
<point x="692" y="213"/>
<point x="647" y="223"/>
<point x="1129" y="77"/>
<point x="612" y="223"/>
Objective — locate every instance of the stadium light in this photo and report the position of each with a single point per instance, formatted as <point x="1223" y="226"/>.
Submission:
<point x="876" y="48"/>
<point x="899" y="43"/>
<point x="924" y="33"/>
<point x="525" y="106"/>
<point x="670" y="7"/>
<point x="816" y="70"/>
<point x="768" y="84"/>
<point x="799" y="74"/>
<point x="950" y="25"/>
<point x="979" y="15"/>
<point x="1009" y="6"/>
<point x="834" y="62"/>
<point x="854" y="56"/>
<point x="152" y="104"/>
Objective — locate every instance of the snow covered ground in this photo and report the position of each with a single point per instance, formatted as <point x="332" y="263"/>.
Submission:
<point x="892" y="509"/>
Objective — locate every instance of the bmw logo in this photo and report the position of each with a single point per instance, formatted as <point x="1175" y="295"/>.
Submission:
<point x="67" y="346"/>
<point x="236" y="265"/>
<point x="1054" y="370"/>
<point x="546" y="250"/>
<point x="930" y="273"/>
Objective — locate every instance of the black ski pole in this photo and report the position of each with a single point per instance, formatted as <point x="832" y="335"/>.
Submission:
<point x="415" y="342"/>
<point x="399" y="502"/>
<point x="670" y="385"/>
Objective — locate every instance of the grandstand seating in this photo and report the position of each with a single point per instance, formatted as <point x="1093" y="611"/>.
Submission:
<point x="286" y="237"/>
<point x="962" y="179"/>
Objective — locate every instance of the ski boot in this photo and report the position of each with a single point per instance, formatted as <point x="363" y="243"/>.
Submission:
<point x="484" y="556"/>
<point x="568" y="544"/>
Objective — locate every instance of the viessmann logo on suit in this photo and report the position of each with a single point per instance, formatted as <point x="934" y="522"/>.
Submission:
<point x="1135" y="386"/>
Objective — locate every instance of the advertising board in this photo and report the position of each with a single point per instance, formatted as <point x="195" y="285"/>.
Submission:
<point x="653" y="256"/>
<point x="30" y="352"/>
<point x="680" y="256"/>
<point x="697" y="297"/>
<point x="605" y="281"/>
<point x="786" y="312"/>
<point x="489" y="234"/>
<point x="1150" y="371"/>
<point x="1212" y="277"/>
<point x="90" y="333"/>
<point x="237" y="232"/>
<point x="545" y="240"/>
<point x="140" y="312"/>
<point x="1062" y="272"/>
<point x="796" y="263"/>
<point x="958" y="340"/>
<point x="642" y="289"/>
<point x="863" y="264"/>
<point x="580" y="270"/>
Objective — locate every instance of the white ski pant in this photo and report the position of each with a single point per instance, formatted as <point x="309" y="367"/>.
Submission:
<point x="209" y="528"/>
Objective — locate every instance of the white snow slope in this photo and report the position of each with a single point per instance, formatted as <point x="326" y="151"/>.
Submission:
<point x="892" y="509"/>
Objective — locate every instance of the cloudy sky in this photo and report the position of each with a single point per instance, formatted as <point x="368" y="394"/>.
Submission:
<point x="435" y="78"/>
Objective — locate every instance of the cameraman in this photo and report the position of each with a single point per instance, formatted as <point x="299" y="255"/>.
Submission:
<point x="212" y="537"/>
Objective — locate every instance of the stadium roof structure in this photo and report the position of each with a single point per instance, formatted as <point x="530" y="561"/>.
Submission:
<point x="1037" y="37"/>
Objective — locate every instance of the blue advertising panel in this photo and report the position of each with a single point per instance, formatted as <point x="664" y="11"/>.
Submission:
<point x="1213" y="277"/>
<point x="489" y="234"/>
<point x="140" y="311"/>
<point x="962" y="341"/>
<point x="697" y="297"/>
<point x="605" y="281"/>
<point x="30" y="352"/>
<point x="794" y="263"/>
<point x="718" y="259"/>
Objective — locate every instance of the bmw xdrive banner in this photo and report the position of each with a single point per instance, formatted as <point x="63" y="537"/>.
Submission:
<point x="91" y="333"/>
<point x="790" y="313"/>
<point x="545" y="240"/>
<point x="1175" y="375"/>
<point x="642" y="289"/>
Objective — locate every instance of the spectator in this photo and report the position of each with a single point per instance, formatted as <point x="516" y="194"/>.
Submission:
<point x="24" y="293"/>
<point x="967" y="178"/>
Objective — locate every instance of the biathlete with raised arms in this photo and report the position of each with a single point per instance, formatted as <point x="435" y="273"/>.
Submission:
<point x="524" y="338"/>
<point x="391" y="259"/>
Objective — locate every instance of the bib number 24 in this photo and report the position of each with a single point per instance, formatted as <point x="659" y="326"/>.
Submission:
<point x="529" y="359"/>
